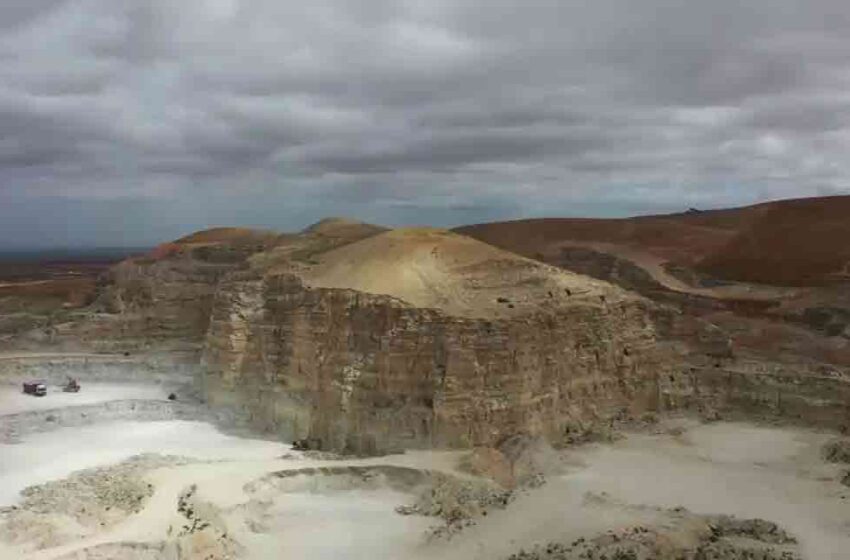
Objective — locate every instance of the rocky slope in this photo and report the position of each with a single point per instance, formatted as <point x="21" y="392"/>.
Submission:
<point x="794" y="243"/>
<point x="765" y="350"/>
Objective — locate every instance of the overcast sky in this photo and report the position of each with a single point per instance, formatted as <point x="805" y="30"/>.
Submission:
<point x="129" y="122"/>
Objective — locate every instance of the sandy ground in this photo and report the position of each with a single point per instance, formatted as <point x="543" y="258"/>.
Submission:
<point x="360" y="524"/>
<point x="735" y="469"/>
<point x="725" y="468"/>
<point x="13" y="400"/>
<point x="773" y="474"/>
<point x="54" y="455"/>
<point x="222" y="483"/>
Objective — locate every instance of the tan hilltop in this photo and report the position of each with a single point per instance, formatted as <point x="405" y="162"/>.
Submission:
<point x="434" y="268"/>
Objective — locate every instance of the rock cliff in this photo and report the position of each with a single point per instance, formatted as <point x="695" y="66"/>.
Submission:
<point x="417" y="338"/>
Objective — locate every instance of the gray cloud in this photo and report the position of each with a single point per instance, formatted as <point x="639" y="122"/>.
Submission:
<point x="178" y="115"/>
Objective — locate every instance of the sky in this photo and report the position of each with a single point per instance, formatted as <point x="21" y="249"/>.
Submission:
<point x="131" y="122"/>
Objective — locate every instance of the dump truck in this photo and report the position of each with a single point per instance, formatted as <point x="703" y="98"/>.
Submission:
<point x="35" y="388"/>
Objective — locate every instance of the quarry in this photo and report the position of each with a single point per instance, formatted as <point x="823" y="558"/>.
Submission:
<point x="523" y="390"/>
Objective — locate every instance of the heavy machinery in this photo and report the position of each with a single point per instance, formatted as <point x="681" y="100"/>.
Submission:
<point x="72" y="386"/>
<point x="35" y="388"/>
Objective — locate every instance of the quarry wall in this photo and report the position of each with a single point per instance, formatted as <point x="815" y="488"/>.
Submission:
<point x="772" y="392"/>
<point x="366" y="373"/>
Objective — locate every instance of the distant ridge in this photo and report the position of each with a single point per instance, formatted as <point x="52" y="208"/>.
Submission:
<point x="226" y="235"/>
<point x="795" y="242"/>
<point x="71" y="255"/>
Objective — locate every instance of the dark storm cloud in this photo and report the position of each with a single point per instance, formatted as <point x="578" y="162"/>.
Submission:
<point x="448" y="151"/>
<point x="427" y="110"/>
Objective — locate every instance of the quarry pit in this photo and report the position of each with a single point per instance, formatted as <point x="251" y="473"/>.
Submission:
<point x="353" y="392"/>
<point x="183" y="489"/>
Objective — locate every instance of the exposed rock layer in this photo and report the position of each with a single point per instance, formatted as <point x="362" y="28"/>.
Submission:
<point x="364" y="372"/>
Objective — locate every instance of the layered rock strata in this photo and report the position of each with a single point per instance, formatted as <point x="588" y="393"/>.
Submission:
<point x="366" y="372"/>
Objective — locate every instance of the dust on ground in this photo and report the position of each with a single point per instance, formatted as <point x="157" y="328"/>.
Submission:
<point x="47" y="456"/>
<point x="772" y="480"/>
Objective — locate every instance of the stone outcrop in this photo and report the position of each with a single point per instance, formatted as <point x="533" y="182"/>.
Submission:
<point x="167" y="295"/>
<point x="86" y="503"/>
<point x="364" y="372"/>
<point x="164" y="299"/>
<point x="769" y="391"/>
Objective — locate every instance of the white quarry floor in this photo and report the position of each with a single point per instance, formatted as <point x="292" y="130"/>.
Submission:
<point x="54" y="455"/>
<point x="13" y="400"/>
<point x="356" y="525"/>
<point x="724" y="468"/>
<point x="734" y="469"/>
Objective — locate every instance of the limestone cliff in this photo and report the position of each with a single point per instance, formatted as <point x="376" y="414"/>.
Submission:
<point x="445" y="342"/>
<point x="167" y="295"/>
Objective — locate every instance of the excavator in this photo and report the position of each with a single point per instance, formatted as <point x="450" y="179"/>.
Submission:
<point x="72" y="386"/>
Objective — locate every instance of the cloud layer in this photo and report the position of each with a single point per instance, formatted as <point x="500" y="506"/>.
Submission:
<point x="143" y="119"/>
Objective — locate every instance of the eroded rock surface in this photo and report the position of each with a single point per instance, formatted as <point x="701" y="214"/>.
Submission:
<point x="684" y="537"/>
<point x="837" y="451"/>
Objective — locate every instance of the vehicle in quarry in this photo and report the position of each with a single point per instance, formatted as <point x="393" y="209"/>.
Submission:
<point x="72" y="386"/>
<point x="35" y="388"/>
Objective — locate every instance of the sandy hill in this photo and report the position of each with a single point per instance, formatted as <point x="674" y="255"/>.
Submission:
<point x="792" y="242"/>
<point x="439" y="269"/>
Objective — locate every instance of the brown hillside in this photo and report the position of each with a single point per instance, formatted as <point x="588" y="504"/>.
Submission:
<point x="343" y="228"/>
<point x="681" y="238"/>
<point x="794" y="243"/>
<point x="226" y="235"/>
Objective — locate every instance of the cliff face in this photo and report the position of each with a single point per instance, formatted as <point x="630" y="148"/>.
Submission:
<point x="364" y="372"/>
<point x="167" y="295"/>
<point x="167" y="299"/>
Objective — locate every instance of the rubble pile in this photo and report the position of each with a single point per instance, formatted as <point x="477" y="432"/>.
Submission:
<point x="87" y="502"/>
<point x="459" y="502"/>
<point x="690" y="537"/>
